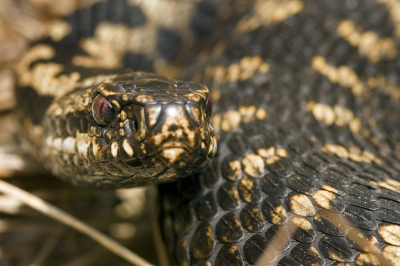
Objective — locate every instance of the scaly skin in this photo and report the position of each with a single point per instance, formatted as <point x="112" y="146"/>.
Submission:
<point x="306" y="117"/>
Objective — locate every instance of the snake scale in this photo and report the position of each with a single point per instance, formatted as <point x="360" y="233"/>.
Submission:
<point x="306" y="117"/>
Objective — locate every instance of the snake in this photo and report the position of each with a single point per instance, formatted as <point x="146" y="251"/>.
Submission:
<point x="271" y="128"/>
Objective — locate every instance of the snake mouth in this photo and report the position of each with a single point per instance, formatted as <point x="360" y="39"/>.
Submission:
<point x="171" y="146"/>
<point x="172" y="155"/>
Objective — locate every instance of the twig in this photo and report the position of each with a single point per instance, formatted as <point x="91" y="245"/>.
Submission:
<point x="67" y="219"/>
<point x="48" y="246"/>
<point x="277" y="245"/>
<point x="158" y="243"/>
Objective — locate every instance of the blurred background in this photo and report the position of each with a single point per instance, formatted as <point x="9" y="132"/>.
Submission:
<point x="28" y="237"/>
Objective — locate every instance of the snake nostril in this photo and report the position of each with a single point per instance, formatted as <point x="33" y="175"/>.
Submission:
<point x="130" y="128"/>
<point x="135" y="125"/>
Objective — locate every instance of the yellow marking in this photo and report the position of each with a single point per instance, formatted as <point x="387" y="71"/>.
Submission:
<point x="317" y="217"/>
<point x="355" y="125"/>
<point x="368" y="43"/>
<point x="121" y="131"/>
<point x="176" y="126"/>
<point x="57" y="144"/>
<point x="142" y="148"/>
<point x="38" y="52"/>
<point x="394" y="183"/>
<point x="233" y="195"/>
<point x="216" y="121"/>
<point x="99" y="152"/>
<point x="233" y="249"/>
<point x="264" y="68"/>
<point x="342" y="75"/>
<point x="369" y="157"/>
<point x="278" y="214"/>
<point x="196" y="114"/>
<point x="175" y="15"/>
<point x="261" y="114"/>
<point x="127" y="148"/>
<point x="353" y="153"/>
<point x="367" y="259"/>
<point x="236" y="224"/>
<point x="215" y="94"/>
<point x="58" y="29"/>
<point x="393" y="6"/>
<point x="338" y="150"/>
<point x="218" y="73"/>
<point x="266" y="153"/>
<point x="194" y="97"/>
<point x="314" y="251"/>
<point x="390" y="184"/>
<point x="112" y="41"/>
<point x="343" y="115"/>
<point x="124" y="97"/>
<point x="249" y="66"/>
<point x="322" y="112"/>
<point x="335" y="256"/>
<point x="257" y="214"/>
<point x="141" y="133"/>
<point x="233" y="72"/>
<point x="301" y="205"/>
<point x="235" y="170"/>
<point x="45" y="82"/>
<point x="247" y="110"/>
<point x="390" y="234"/>
<point x="331" y="189"/>
<point x="302" y="223"/>
<point x="373" y="244"/>
<point x="122" y="116"/>
<point x="68" y="145"/>
<point x="231" y="120"/>
<point x="173" y="154"/>
<point x="114" y="149"/>
<point x="246" y="68"/>
<point x="281" y="152"/>
<point x="253" y="165"/>
<point x="248" y="184"/>
<point x="268" y="12"/>
<point x="153" y="112"/>
<point x="323" y="198"/>
<point x="45" y="78"/>
<point x="392" y="254"/>
<point x="144" y="98"/>
<point x="339" y="115"/>
<point x="219" y="49"/>
<point x="95" y="80"/>
<point x="272" y="160"/>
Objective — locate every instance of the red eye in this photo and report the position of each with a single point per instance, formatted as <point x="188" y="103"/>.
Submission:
<point x="103" y="111"/>
<point x="209" y="107"/>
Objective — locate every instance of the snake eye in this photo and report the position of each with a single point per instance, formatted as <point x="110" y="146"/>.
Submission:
<point x="208" y="107"/>
<point x="103" y="111"/>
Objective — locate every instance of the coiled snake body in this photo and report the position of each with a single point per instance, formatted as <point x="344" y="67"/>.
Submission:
<point x="306" y="116"/>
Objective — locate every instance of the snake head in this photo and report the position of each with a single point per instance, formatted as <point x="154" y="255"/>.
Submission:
<point x="142" y="128"/>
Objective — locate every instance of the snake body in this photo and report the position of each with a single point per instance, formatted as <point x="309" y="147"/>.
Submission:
<point x="306" y="116"/>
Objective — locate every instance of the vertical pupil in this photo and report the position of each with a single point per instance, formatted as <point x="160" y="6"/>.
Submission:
<point x="102" y="106"/>
<point x="103" y="112"/>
